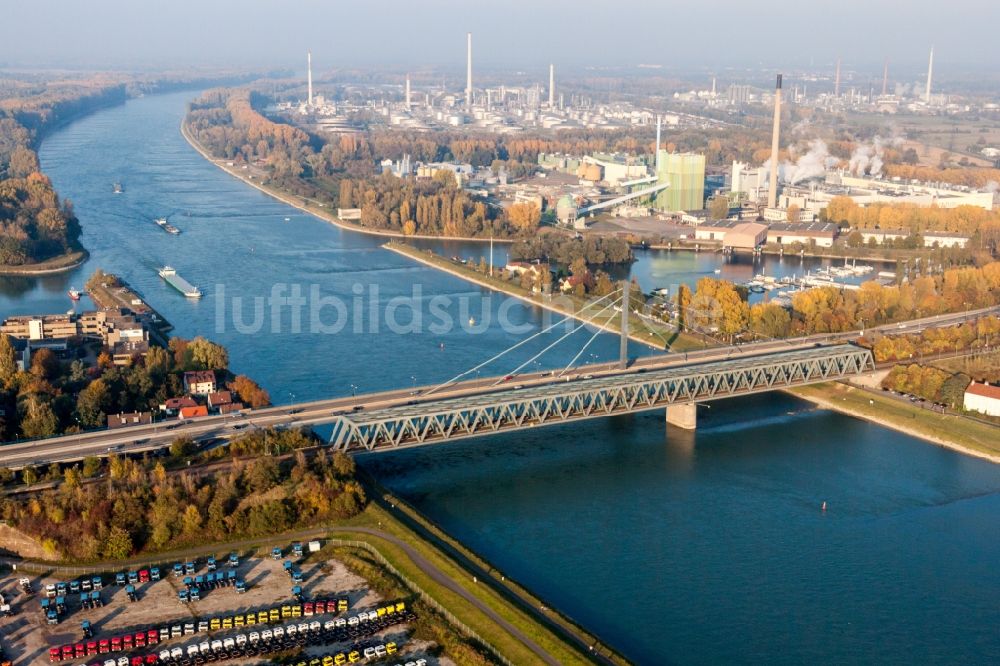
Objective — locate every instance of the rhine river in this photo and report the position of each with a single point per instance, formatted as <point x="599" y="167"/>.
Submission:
<point x="674" y="547"/>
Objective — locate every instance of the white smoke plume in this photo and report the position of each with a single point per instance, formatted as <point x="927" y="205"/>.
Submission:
<point x="868" y="159"/>
<point x="992" y="187"/>
<point x="813" y="164"/>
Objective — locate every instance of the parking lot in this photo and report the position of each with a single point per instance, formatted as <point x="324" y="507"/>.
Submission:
<point x="27" y="637"/>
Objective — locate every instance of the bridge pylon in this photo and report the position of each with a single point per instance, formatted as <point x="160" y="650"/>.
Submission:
<point x="623" y="344"/>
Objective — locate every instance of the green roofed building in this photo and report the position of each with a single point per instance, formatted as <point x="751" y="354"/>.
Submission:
<point x="685" y="172"/>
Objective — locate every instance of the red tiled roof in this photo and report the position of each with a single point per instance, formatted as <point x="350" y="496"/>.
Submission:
<point x="199" y="376"/>
<point x="219" y="398"/>
<point x="197" y="410"/>
<point x="985" y="390"/>
<point x="178" y="403"/>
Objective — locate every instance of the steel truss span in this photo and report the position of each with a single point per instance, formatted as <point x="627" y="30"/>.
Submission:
<point x="558" y="402"/>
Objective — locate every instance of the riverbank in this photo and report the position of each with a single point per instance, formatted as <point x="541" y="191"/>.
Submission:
<point x="640" y="330"/>
<point x="317" y="209"/>
<point x="973" y="438"/>
<point x="60" y="264"/>
<point x="438" y="580"/>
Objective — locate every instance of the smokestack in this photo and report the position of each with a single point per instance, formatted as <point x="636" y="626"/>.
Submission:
<point x="407" y="91"/>
<point x="836" y="81"/>
<point x="713" y="86"/>
<point x="468" y="73"/>
<point x="885" y="78"/>
<point x="552" y="86"/>
<point x="930" y="74"/>
<point x="656" y="155"/>
<point x="309" y="75"/>
<point x="772" y="192"/>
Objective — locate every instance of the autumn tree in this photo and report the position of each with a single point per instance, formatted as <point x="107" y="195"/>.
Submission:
<point x="525" y="216"/>
<point x="249" y="392"/>
<point x="718" y="208"/>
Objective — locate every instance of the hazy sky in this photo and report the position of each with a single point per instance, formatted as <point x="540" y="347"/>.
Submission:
<point x="515" y="33"/>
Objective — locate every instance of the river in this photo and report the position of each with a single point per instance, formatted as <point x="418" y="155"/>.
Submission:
<point x="674" y="547"/>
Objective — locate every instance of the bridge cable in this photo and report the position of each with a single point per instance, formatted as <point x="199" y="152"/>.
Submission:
<point x="512" y="348"/>
<point x="566" y="335"/>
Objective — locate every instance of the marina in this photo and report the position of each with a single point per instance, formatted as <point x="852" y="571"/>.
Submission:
<point x="180" y="284"/>
<point x="824" y="276"/>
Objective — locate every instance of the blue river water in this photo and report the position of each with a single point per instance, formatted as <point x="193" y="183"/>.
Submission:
<point x="674" y="547"/>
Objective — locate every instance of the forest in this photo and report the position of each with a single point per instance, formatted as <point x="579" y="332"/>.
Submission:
<point x="141" y="506"/>
<point x="564" y="250"/>
<point x="964" y="220"/>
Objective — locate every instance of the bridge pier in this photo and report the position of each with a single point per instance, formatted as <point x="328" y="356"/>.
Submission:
<point x="683" y="416"/>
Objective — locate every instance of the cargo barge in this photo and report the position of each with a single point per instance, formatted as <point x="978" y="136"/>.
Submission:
<point x="166" y="226"/>
<point x="180" y="284"/>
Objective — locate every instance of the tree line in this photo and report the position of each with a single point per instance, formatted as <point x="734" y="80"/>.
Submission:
<point x="720" y="307"/>
<point x="140" y="507"/>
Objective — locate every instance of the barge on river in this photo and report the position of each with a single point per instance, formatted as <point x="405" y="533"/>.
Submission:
<point x="179" y="283"/>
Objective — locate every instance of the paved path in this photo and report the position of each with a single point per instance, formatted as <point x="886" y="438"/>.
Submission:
<point x="419" y="560"/>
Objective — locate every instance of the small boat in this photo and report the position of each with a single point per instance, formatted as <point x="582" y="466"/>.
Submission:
<point x="118" y="188"/>
<point x="718" y="271"/>
<point x="288" y="219"/>
<point x="472" y="321"/>
<point x="74" y="295"/>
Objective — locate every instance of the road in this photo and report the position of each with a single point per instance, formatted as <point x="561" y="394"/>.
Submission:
<point x="147" y="438"/>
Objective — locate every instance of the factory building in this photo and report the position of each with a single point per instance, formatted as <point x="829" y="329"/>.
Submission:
<point x="614" y="169"/>
<point x="820" y="233"/>
<point x="685" y="174"/>
<point x="930" y="239"/>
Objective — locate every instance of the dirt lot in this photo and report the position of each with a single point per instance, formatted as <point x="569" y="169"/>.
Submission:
<point x="27" y="638"/>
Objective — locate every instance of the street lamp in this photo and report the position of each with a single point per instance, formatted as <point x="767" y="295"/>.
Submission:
<point x="354" y="390"/>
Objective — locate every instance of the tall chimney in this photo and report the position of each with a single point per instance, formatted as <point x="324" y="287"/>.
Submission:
<point x="713" y="86"/>
<point x="468" y="74"/>
<point x="930" y="74"/>
<point x="552" y="86"/>
<point x="309" y="75"/>
<point x="836" y="81"/>
<point x="407" y="91"/>
<point x="772" y="192"/>
<point x="885" y="78"/>
<point x="656" y="155"/>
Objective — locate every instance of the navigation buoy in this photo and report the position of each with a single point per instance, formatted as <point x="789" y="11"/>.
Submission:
<point x="824" y="506"/>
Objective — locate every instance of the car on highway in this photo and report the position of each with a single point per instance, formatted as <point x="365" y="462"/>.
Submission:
<point x="357" y="408"/>
<point x="116" y="447"/>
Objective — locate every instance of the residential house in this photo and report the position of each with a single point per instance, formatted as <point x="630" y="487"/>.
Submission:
<point x="192" y="412"/>
<point x="199" y="382"/>
<point x="174" y="405"/>
<point x="984" y="398"/>
<point x="128" y="419"/>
